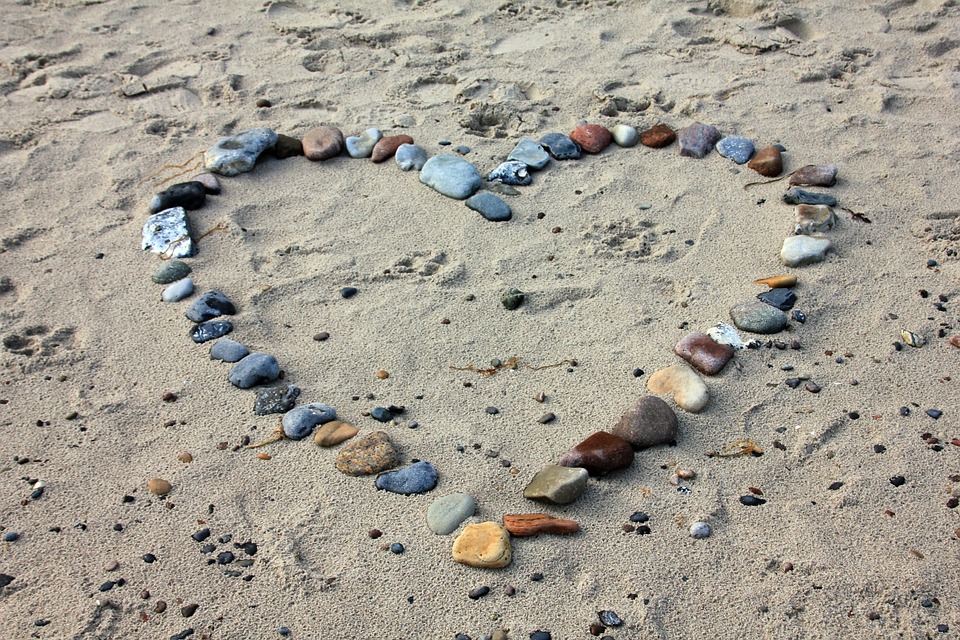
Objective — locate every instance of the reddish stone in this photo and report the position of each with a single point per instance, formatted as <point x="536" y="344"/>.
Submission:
<point x="533" y="524"/>
<point x="387" y="146"/>
<point x="592" y="138"/>
<point x="599" y="454"/>
<point x="705" y="354"/>
<point x="322" y="143"/>
<point x="658" y="136"/>
<point x="768" y="162"/>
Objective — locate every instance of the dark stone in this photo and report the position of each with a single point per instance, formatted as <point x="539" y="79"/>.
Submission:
<point x="599" y="454"/>
<point x="276" y="400"/>
<point x="560" y="147"/>
<point x="201" y="535"/>
<point x="779" y="297"/>
<point x="609" y="618"/>
<point x="639" y="516"/>
<point x="479" y="592"/>
<point x="834" y="486"/>
<point x="188" y="610"/>
<point x="149" y="558"/>
<point x="5" y="580"/>
<point x="768" y="162"/>
<point x="206" y="331"/>
<point x="934" y="413"/>
<point x="898" y="481"/>
<point x="658" y="136"/>
<point x="397" y="548"/>
<point x="799" y="316"/>
<point x="348" y="292"/>
<point x="752" y="501"/>
<point x="696" y="140"/>
<point x="381" y="415"/>
<point x="183" y="635"/>
<point x="210" y="305"/>
<point x="287" y="147"/>
<point x="225" y="557"/>
<point x="418" y="478"/>
<point x="255" y="369"/>
<point x="189" y="195"/>
<point x="490" y="207"/>
<point x="799" y="196"/>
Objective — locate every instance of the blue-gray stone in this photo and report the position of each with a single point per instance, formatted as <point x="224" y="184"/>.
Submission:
<point x="445" y="514"/>
<point x="189" y="195"/>
<point x="300" y="422"/>
<point x="411" y="156"/>
<point x="238" y="153"/>
<point x="362" y="146"/>
<point x="171" y="272"/>
<point x="490" y="207"/>
<point x="210" y="305"/>
<point x="276" y="400"/>
<point x="780" y="297"/>
<point x="178" y="290"/>
<point x="697" y="140"/>
<point x="206" y="331"/>
<point x="452" y="176"/>
<point x="256" y="368"/>
<point x="736" y="148"/>
<point x="381" y="415"/>
<point x="800" y="196"/>
<point x="166" y="233"/>
<point x="531" y="153"/>
<point x="227" y="350"/>
<point x="417" y="478"/>
<point x="758" y="317"/>
<point x="462" y="149"/>
<point x="561" y="147"/>
<point x="511" y="172"/>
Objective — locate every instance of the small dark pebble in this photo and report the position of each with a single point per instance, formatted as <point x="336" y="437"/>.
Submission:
<point x="628" y="528"/>
<point x="904" y="411"/>
<point x="931" y="263"/>
<point x="879" y="448"/>
<point x="188" y="610"/>
<point x="160" y="607"/>
<point x="381" y="414"/>
<point x="952" y="503"/>
<point x="637" y="373"/>
<point x="596" y="629"/>
<point x="284" y="631"/>
<point x="834" y="486"/>
<point x="461" y="636"/>
<point x="36" y="493"/>
<point x="873" y="615"/>
<point x="751" y="500"/>
<point x="225" y="539"/>
<point x="320" y="337"/>
<point x="396" y="547"/>
<point x="897" y="346"/>
<point x="225" y="557"/>
<point x="492" y="411"/>
<point x="898" y="481"/>
<point x="853" y="415"/>
<point x="41" y="623"/>
<point x="547" y="418"/>
<point x="11" y="536"/>
<point x="149" y="558"/>
<point x="375" y="533"/>
<point x="349" y="292"/>
<point x="127" y="499"/>
<point x="541" y="635"/>
<point x="934" y="413"/>
<point x="812" y="386"/>
<point x="118" y="527"/>
<point x="639" y="516"/>
<point x="106" y="586"/>
<point x="201" y="535"/>
<point x="536" y="577"/>
<point x="799" y="316"/>
<point x="263" y="103"/>
<point x="926" y="603"/>
<point x="793" y="383"/>
<point x="510" y="590"/>
<point x="643" y="530"/>
<point x="942" y="628"/>
<point x="208" y="548"/>
<point x="479" y="592"/>
<point x="183" y="635"/>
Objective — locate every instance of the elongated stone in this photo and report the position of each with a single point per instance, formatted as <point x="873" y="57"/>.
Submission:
<point x="447" y="513"/>
<point x="599" y="454"/>
<point x="238" y="153"/>
<point x="333" y="433"/>
<point x="387" y="146"/>
<point x="779" y="297"/>
<point x="167" y="233"/>
<point x="485" y="545"/>
<point x="490" y="207"/>
<point x="557" y="484"/>
<point x="705" y="354"/>
<point x="451" y="175"/>
<point x="178" y="290"/>
<point x="524" y="525"/>
<point x="206" y="331"/>
<point x="531" y="153"/>
<point x="419" y="477"/>
<point x="189" y="195"/>
<point x="658" y="136"/>
<point x="799" y="196"/>
<point x="768" y="162"/>
<point x="814" y="176"/>
<point x="758" y="317"/>
<point x="696" y="140"/>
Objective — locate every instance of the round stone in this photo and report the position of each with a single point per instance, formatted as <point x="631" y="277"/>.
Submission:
<point x="700" y="530"/>
<point x="648" y="423"/>
<point x="227" y="350"/>
<point x="371" y="454"/>
<point x="322" y="143"/>
<point x="531" y="153"/>
<point x="624" y="135"/>
<point x="254" y="369"/>
<point x="800" y="250"/>
<point x="445" y="514"/>
<point x="411" y="157"/>
<point x="451" y="176"/>
<point x="758" y="317"/>
<point x="159" y="486"/>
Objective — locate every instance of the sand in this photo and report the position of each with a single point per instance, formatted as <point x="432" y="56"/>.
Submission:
<point x="100" y="96"/>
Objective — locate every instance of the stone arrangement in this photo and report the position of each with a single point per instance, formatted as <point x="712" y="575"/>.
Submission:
<point x="650" y="422"/>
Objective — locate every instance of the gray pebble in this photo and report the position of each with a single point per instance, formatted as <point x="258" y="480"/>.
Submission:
<point x="227" y="350"/>
<point x="736" y="148"/>
<point x="178" y="290"/>
<point x="490" y="207"/>
<point x="560" y="146"/>
<point x="238" y="153"/>
<point x="411" y="156"/>
<point x="700" y="530"/>
<point x="256" y="368"/>
<point x="362" y="146"/>
<point x="299" y="423"/>
<point x="450" y="175"/>
<point x="171" y="272"/>
<point x="698" y="139"/>
<point x="758" y="317"/>
<point x="800" y="196"/>
<point x="417" y="478"/>
<point x="800" y="250"/>
<point x="210" y="305"/>
<point x="624" y="135"/>
<point x="531" y="153"/>
<point x="445" y="514"/>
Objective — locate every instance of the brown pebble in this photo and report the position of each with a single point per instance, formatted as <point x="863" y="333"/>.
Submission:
<point x="888" y="512"/>
<point x="952" y="503"/>
<point x="768" y="162"/>
<point x="755" y="491"/>
<point x="322" y="143"/>
<point x="628" y="528"/>
<point x="955" y="341"/>
<point x="387" y="146"/>
<point x="592" y="138"/>
<point x="333" y="433"/>
<point x="383" y="374"/>
<point x="686" y="474"/>
<point x="375" y="533"/>
<point x="185" y="457"/>
<point x="445" y="321"/>
<point x="787" y="567"/>
<point x="264" y="456"/>
<point x="113" y="565"/>
<point x="658" y="136"/>
<point x="145" y="595"/>
<point x="540" y="397"/>
<point x="873" y="615"/>
<point x="263" y="103"/>
<point x="160" y="607"/>
<point x="596" y="629"/>
<point x="159" y="486"/>
<point x="812" y="386"/>
<point x="510" y="590"/>
<point x="556" y="230"/>
<point x="169" y="396"/>
<point x="916" y="554"/>
<point x="188" y="610"/>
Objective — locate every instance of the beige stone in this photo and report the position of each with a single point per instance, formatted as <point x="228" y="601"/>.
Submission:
<point x="333" y="433"/>
<point x="485" y="545"/>
<point x="688" y="389"/>
<point x="159" y="486"/>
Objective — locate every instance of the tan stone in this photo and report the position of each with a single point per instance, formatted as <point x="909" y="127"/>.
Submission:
<point x="485" y="545"/>
<point x="159" y="486"/>
<point x="333" y="433"/>
<point x="688" y="389"/>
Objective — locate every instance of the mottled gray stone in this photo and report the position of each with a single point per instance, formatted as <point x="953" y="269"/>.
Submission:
<point x="178" y="290"/>
<point x="411" y="157"/>
<point x="758" y="317"/>
<point x="299" y="423"/>
<point x="256" y="368"/>
<point x="227" y="350"/>
<point x="275" y="399"/>
<point x="167" y="233"/>
<point x="238" y="153"/>
<point x="450" y="175"/>
<point x="445" y="514"/>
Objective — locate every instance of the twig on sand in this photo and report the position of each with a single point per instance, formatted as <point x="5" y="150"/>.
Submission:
<point x="512" y="363"/>
<point x="738" y="448"/>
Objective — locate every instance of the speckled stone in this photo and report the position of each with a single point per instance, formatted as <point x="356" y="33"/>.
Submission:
<point x="238" y="153"/>
<point x="418" y="478"/>
<point x="206" y="331"/>
<point x="447" y="513"/>
<point x="736" y="148"/>
<point x="703" y="352"/>
<point x="167" y="233"/>
<point x="648" y="423"/>
<point x="275" y="399"/>
<point x="758" y="317"/>
<point x="370" y="454"/>
<point x="171" y="272"/>
<point x="696" y="140"/>
<point x="512" y="172"/>
<point x="557" y="484"/>
<point x="300" y="422"/>
<point x="485" y="545"/>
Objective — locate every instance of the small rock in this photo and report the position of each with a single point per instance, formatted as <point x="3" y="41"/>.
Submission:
<point x="814" y="218"/>
<point x="5" y="580"/>
<point x="206" y="331"/>
<point x="227" y="350"/>
<point x="299" y="423"/>
<point x="724" y="333"/>
<point x="13" y="536"/>
<point x="275" y="399"/>
<point x="287" y="147"/>
<point x="419" y="477"/>
<point x="171" y="272"/>
<point x="479" y="592"/>
<point x="159" y="486"/>
<point x="799" y="196"/>
<point x="751" y="500"/>
<point x="779" y="297"/>
<point x="322" y="143"/>
<point x="768" y="162"/>
<point x="560" y="147"/>
<point x="166" y="233"/>
<point x="700" y="530"/>
<point x="238" y="153"/>
<point x="333" y="433"/>
<point x="511" y="172"/>
<point x="189" y="195"/>
<point x="185" y="457"/>
<point x="411" y="157"/>
<point x="688" y="389"/>
<point x="490" y="207"/>
<point x="592" y="138"/>
<point x="387" y="146"/>
<point x="703" y="352"/>
<point x="371" y="454"/>
<point x="380" y="414"/>
<point x="485" y="545"/>
<point x="624" y="135"/>
<point x="658" y="136"/>
<point x="648" y="423"/>
<point x="188" y="610"/>
<point x="451" y="176"/>
<point x="533" y="524"/>
<point x="362" y="146"/>
<point x="736" y="148"/>
<point x="445" y="514"/>
<point x="209" y="181"/>
<point x="254" y="369"/>
<point x="348" y="292"/>
<point x="599" y="454"/>
<point x="814" y="176"/>
<point x="531" y="153"/>
<point x="547" y="418"/>
<point x="800" y="250"/>
<point x="557" y="484"/>
<point x="210" y="305"/>
<point x="758" y="317"/>
<point x="609" y="618"/>
<point x="696" y="140"/>
<point x="513" y="298"/>
<point x="178" y="290"/>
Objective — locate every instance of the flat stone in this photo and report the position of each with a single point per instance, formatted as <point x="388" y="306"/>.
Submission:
<point x="658" y="136"/>
<point x="210" y="305"/>
<point x="736" y="148"/>
<point x="688" y="389"/>
<point x="171" y="272"/>
<point x="299" y="423"/>
<point x="387" y="146"/>
<point x="814" y="218"/>
<point x="599" y="454"/>
<point x="447" y="513"/>
<point x="758" y="317"/>
<point x="779" y="297"/>
<point x="189" y="195"/>
<point x="370" y="454"/>
<point x="227" y="350"/>
<point x="411" y="157"/>
<point x="362" y="146"/>
<point x="512" y="172"/>
<point x="275" y="399"/>
<point x="624" y="135"/>
<point x="238" y="153"/>
<point x="768" y="162"/>
<point x="287" y="147"/>
<point x="703" y="352"/>
<point x="523" y="525"/>
<point x="648" y="423"/>
<point x="814" y="176"/>
<point x="178" y="290"/>
<point x="490" y="207"/>
<point x="206" y="331"/>
<point x="557" y="484"/>
<point x="451" y="176"/>
<point x="256" y="368"/>
<point x="696" y="140"/>
<point x="560" y="147"/>
<point x="531" y="153"/>
<point x="322" y="143"/>
<point x="333" y="433"/>
<point x="485" y="545"/>
<point x="799" y="196"/>
<point x="209" y="181"/>
<point x="592" y="138"/>
<point x="800" y="250"/>
<point x="419" y="477"/>
<point x="167" y="233"/>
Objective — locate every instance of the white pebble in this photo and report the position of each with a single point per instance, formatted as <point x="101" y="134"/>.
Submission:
<point x="178" y="290"/>
<point x="700" y="530"/>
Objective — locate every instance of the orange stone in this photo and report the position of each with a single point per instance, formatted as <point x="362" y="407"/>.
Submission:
<point x="533" y="524"/>
<point x="387" y="146"/>
<point x="658" y="136"/>
<point x="592" y="138"/>
<point x="768" y="162"/>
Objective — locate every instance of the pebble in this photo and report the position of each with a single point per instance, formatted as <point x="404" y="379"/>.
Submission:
<point x="511" y="172"/>
<point x="254" y="369"/>
<point x="188" y="610"/>
<point x="541" y="635"/>
<point x="898" y="481"/>
<point x="658" y="136"/>
<point x="700" y="530"/>
<point x="362" y="146"/>
<point x="696" y="140"/>
<point x="609" y="618"/>
<point x="380" y="414"/>
<point x="799" y="196"/>
<point x="934" y="413"/>
<point x="189" y="195"/>
<point x="419" y="477"/>
<point x="387" y="146"/>
<point x="13" y="536"/>
<point x="210" y="305"/>
<point x="201" y="535"/>
<point x="758" y="317"/>
<point x="703" y="352"/>
<point x="159" y="486"/>
<point x="171" y="271"/>
<point x="513" y="298"/>
<point x="5" y="580"/>
<point x="624" y="135"/>
<point x="736" y="148"/>
<point x="490" y="207"/>
<point x="479" y="592"/>
<point x="178" y="290"/>
<point x="688" y="389"/>
<point x="814" y="218"/>
<point x="648" y="423"/>
<point x="287" y="147"/>
<point x="370" y="454"/>
<point x="447" y="513"/>
<point x="600" y="453"/>
<point x="814" y="176"/>
<point x="592" y="138"/>
<point x="531" y="153"/>
<point x="462" y="149"/>
<point x="779" y="297"/>
<point x="411" y="157"/>
<point x="485" y="545"/>
<point x="547" y="418"/>
<point x="275" y="399"/>
<point x="209" y="181"/>
<point x="533" y="524"/>
<point x="227" y="350"/>
<point x="238" y="154"/>
<point x="166" y="233"/>
<point x="397" y="548"/>
<point x="451" y="176"/>
<point x="299" y="423"/>
<point x="768" y="162"/>
<point x="322" y="143"/>
<point x="333" y="433"/>
<point x="557" y="484"/>
<point x="751" y="500"/>
<point x="560" y="147"/>
<point x="800" y="250"/>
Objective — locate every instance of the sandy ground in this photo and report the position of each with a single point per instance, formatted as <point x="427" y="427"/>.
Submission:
<point x="98" y="96"/>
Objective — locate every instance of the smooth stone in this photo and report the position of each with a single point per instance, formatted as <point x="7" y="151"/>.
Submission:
<point x="799" y="196"/>
<point x="648" y="423"/>
<point x="758" y="317"/>
<point x="419" y="477"/>
<point x="768" y="162"/>
<point x="736" y="148"/>
<point x="523" y="525"/>
<point x="380" y="414"/>
<point x="592" y="138"/>
<point x="814" y="176"/>
<point x="275" y="399"/>
<point x="189" y="195"/>
<point x="485" y="545"/>
<point x="206" y="331"/>
<point x="209" y="181"/>
<point x="287" y="147"/>
<point x="451" y="176"/>
<point x="490" y="207"/>
<point x="513" y="298"/>
<point x="814" y="218"/>
<point x="387" y="146"/>
<point x="700" y="530"/>
<point x="210" y="305"/>
<point x="447" y="513"/>
<point x="159" y="486"/>
<point x="238" y="153"/>
<point x="697" y="139"/>
<point x="322" y="143"/>
<point x="411" y="157"/>
<point x="688" y="389"/>
<point x="167" y="233"/>
<point x="531" y="153"/>
<point x="333" y="433"/>
<point x="254" y="369"/>
<point x="512" y="172"/>
<point x="370" y="454"/>
<point x="178" y="290"/>
<point x="779" y="297"/>
<point x="557" y="484"/>
<point x="658" y="136"/>
<point x="624" y="135"/>
<point x="171" y="272"/>
<point x="227" y="350"/>
<point x="800" y="250"/>
<point x="362" y="146"/>
<point x="299" y="423"/>
<point x="703" y="352"/>
<point x="599" y="454"/>
<point x="560" y="147"/>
